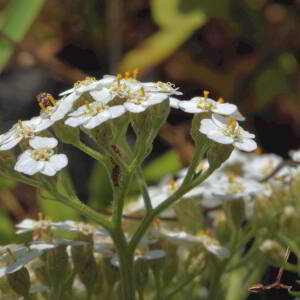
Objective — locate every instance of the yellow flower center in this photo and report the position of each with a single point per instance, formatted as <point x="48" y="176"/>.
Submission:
<point x="139" y="97"/>
<point x="203" y="103"/>
<point x="24" y="131"/>
<point x="42" y="154"/>
<point x="93" y="110"/>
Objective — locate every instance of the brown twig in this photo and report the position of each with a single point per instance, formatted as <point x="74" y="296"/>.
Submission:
<point x="259" y="287"/>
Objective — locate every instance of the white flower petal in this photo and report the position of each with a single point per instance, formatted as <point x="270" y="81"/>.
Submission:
<point x="44" y="124"/>
<point x="246" y="145"/>
<point x="48" y="169"/>
<point x="29" y="166"/>
<point x="156" y="98"/>
<point x="190" y="107"/>
<point x="39" y="142"/>
<point x="207" y="126"/>
<point x="75" y="122"/>
<point x="225" y="108"/>
<point x="97" y="120"/>
<point x="246" y="134"/>
<point x="58" y="161"/>
<point x="103" y="95"/>
<point x="174" y="102"/>
<point x="220" y="138"/>
<point x="79" y="111"/>
<point x="116" y="111"/>
<point x="10" y="143"/>
<point x="134" y="108"/>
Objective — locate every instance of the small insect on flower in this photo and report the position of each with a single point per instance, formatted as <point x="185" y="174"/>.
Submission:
<point x="45" y="100"/>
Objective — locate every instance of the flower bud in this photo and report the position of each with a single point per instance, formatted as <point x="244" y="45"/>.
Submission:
<point x="88" y="274"/>
<point x="218" y="153"/>
<point x="289" y="220"/>
<point x="81" y="255"/>
<point x="274" y="251"/>
<point x="20" y="282"/>
<point x="57" y="266"/>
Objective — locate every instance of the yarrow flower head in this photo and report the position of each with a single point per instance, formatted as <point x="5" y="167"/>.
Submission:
<point x="226" y="130"/>
<point x="42" y="158"/>
<point x="94" y="114"/>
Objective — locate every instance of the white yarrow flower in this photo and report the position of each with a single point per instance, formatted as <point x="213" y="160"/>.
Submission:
<point x="204" y="104"/>
<point x="21" y="130"/>
<point x="94" y="114"/>
<point x="41" y="159"/>
<point x="139" y="101"/>
<point x="227" y="131"/>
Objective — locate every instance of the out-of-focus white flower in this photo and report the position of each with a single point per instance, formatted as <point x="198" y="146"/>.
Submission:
<point x="203" y="238"/>
<point x="41" y="159"/>
<point x="295" y="155"/>
<point x="28" y="225"/>
<point x="227" y="131"/>
<point x="139" y="101"/>
<point x="263" y="165"/>
<point x="94" y="114"/>
<point x="204" y="104"/>
<point x="148" y="255"/>
<point x="233" y="187"/>
<point x="22" y="130"/>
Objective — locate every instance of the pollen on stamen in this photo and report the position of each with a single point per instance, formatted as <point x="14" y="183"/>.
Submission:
<point x="231" y="179"/>
<point x="221" y="100"/>
<point x="135" y="73"/>
<point x="127" y="75"/>
<point x="205" y="94"/>
<point x="232" y="123"/>
<point x="258" y="151"/>
<point x="156" y="221"/>
<point x="142" y="91"/>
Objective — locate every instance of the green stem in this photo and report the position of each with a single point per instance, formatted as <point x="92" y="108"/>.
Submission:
<point x="119" y="197"/>
<point x="183" y="189"/>
<point x="89" y="151"/>
<point x="83" y="209"/>
<point x="182" y="285"/>
<point x="126" y="265"/>
<point x="144" y="189"/>
<point x="197" y="156"/>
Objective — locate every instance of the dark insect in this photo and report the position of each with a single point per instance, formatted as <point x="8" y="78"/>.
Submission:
<point x="116" y="173"/>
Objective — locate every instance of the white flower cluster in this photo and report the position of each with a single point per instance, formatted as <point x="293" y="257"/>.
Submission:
<point x="97" y="105"/>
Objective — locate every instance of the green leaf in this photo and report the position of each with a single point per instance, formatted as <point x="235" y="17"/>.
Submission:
<point x="167" y="163"/>
<point x="19" y="14"/>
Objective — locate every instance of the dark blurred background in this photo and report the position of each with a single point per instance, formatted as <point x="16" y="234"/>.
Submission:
<point x="246" y="51"/>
